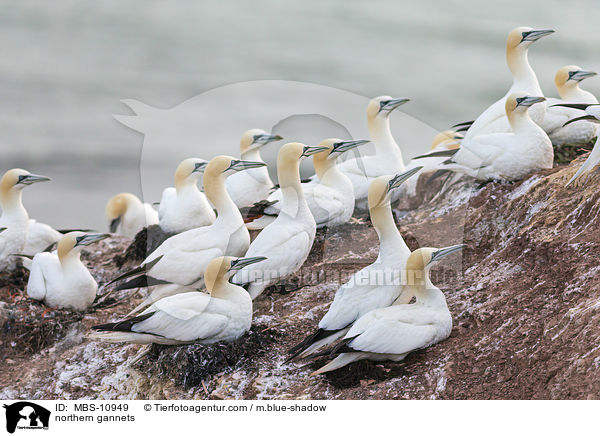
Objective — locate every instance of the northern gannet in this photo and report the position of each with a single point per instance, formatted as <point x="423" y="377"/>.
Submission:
<point x="493" y="119"/>
<point x="364" y="291"/>
<point x="60" y="279"/>
<point x="252" y="186"/>
<point x="392" y="332"/>
<point x="506" y="156"/>
<point x="182" y="258"/>
<point x="444" y="144"/>
<point x="14" y="215"/>
<point x="224" y="314"/>
<point x="592" y="115"/>
<point x="387" y="159"/>
<point x="567" y="81"/>
<point x="127" y="215"/>
<point x="40" y="237"/>
<point x="286" y="242"/>
<point x="185" y="207"/>
<point x="330" y="198"/>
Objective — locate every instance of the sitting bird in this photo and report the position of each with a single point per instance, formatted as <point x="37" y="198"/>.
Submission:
<point x="390" y="333"/>
<point x="60" y="279"/>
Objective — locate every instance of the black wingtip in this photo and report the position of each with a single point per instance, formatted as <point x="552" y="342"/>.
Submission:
<point x="122" y="326"/>
<point x="441" y="153"/>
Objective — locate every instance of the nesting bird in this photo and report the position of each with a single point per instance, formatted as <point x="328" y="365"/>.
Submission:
<point x="506" y="156"/>
<point x="15" y="218"/>
<point x="364" y="291"/>
<point x="185" y="207"/>
<point x="127" y="215"/>
<point x="182" y="258"/>
<point x="493" y="119"/>
<point x="391" y="333"/>
<point x="567" y="82"/>
<point x="60" y="279"/>
<point x="286" y="242"/>
<point x="330" y="198"/>
<point x="224" y="314"/>
<point x="444" y="144"/>
<point x="254" y="185"/>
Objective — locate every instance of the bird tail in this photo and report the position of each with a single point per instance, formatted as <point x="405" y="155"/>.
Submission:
<point x="260" y="223"/>
<point x="340" y="361"/>
<point x="136" y="271"/>
<point x="130" y="337"/>
<point x="588" y="165"/>
<point x="441" y="153"/>
<point x="314" y="342"/>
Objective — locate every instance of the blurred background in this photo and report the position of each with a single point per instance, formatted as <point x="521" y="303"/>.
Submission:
<point x="66" y="65"/>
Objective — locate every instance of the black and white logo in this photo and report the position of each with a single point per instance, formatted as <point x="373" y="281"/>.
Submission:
<point x="26" y="415"/>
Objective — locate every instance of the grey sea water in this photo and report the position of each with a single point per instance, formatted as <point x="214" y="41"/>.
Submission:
<point x="66" y="65"/>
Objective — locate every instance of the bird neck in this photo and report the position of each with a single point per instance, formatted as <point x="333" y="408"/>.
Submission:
<point x="12" y="205"/>
<point x="69" y="258"/>
<point x="523" y="75"/>
<point x="326" y="169"/>
<point x="217" y="194"/>
<point x="521" y="122"/>
<point x="574" y="93"/>
<point x="288" y="173"/>
<point x="253" y="154"/>
<point x="425" y="292"/>
<point x="225" y="290"/>
<point x="381" y="135"/>
<point x="188" y="185"/>
<point x="390" y="239"/>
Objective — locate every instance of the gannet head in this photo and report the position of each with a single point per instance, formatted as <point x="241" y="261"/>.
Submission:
<point x="220" y="166"/>
<point x="382" y="107"/>
<point x="422" y="259"/>
<point x="292" y="152"/>
<point x="256" y="138"/>
<point x="189" y="171"/>
<point x="569" y="77"/>
<point x="519" y="102"/>
<point x="117" y="207"/>
<point x="382" y="186"/>
<point x="521" y="38"/>
<point x="222" y="268"/>
<point x="16" y="179"/>
<point x="335" y="147"/>
<point x="448" y="138"/>
<point x="73" y="242"/>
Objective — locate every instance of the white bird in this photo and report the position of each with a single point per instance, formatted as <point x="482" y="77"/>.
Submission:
<point x="127" y="215"/>
<point x="60" y="279"/>
<point x="182" y="258"/>
<point x="365" y="290"/>
<point x="444" y="144"/>
<point x="252" y="186"/>
<point x="185" y="207"/>
<point x="567" y="81"/>
<point x="14" y="215"/>
<point x="592" y="115"/>
<point x="387" y="158"/>
<point x="286" y="242"/>
<point x="40" y="237"/>
<point x="330" y="198"/>
<point x="225" y="314"/>
<point x="506" y="156"/>
<point x="392" y="332"/>
<point x="493" y="119"/>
